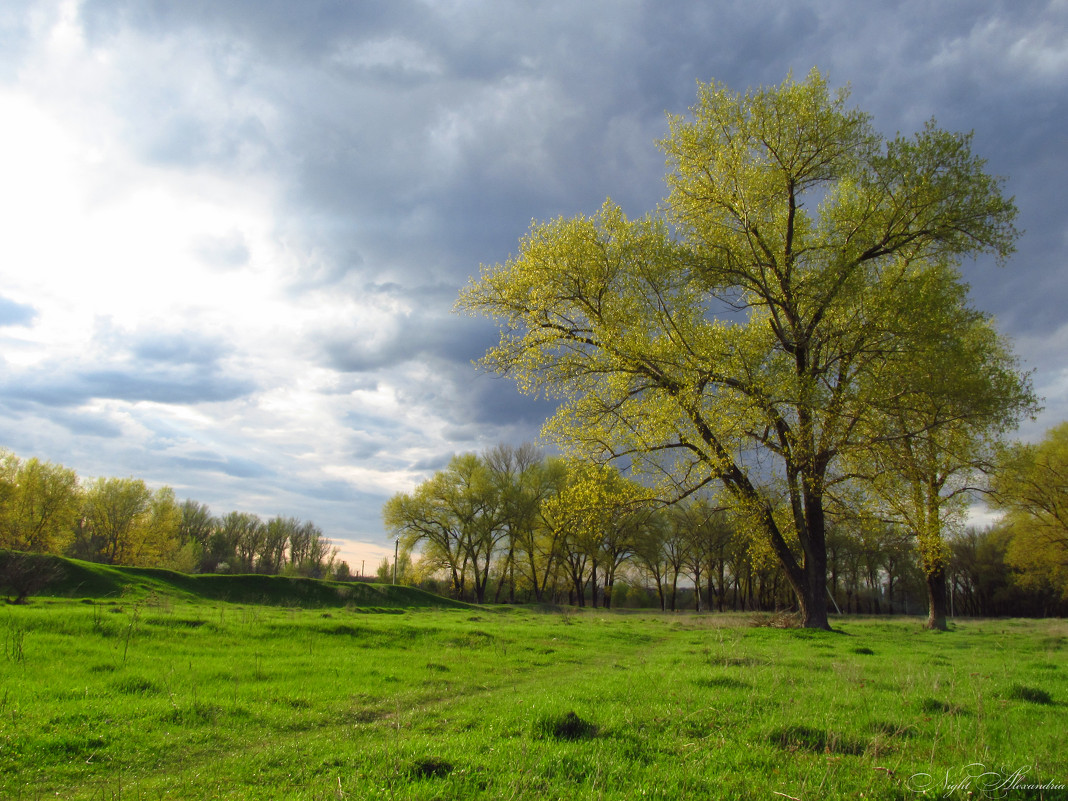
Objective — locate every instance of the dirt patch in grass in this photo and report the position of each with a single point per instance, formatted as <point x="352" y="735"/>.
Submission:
<point x="807" y="738"/>
<point x="430" y="768"/>
<point x="717" y="682"/>
<point x="936" y="706"/>
<point x="567" y="726"/>
<point x="1034" y="695"/>
<point x="776" y="620"/>
<point x="136" y="685"/>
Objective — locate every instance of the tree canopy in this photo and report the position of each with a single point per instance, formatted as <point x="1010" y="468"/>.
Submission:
<point x="754" y="330"/>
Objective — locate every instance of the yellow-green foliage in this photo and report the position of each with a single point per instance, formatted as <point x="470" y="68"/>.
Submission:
<point x="39" y="504"/>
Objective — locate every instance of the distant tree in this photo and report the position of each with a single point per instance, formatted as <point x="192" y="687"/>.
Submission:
<point x="115" y="513"/>
<point x="1031" y="487"/>
<point x="651" y="559"/>
<point x="515" y="472"/>
<point x="538" y="539"/>
<point x="404" y="573"/>
<point x="310" y="553"/>
<point x="707" y="540"/>
<point x="158" y="543"/>
<point x="342" y="571"/>
<point x="385" y="571"/>
<point x="457" y="517"/>
<point x="39" y="505"/>
<point x="197" y="524"/>
<point x="126" y="523"/>
<point x="271" y="557"/>
<point x="244" y="535"/>
<point x="978" y="572"/>
<point x="599" y="512"/>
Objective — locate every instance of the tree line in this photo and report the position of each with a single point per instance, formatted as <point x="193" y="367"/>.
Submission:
<point x="45" y="508"/>
<point x="512" y="525"/>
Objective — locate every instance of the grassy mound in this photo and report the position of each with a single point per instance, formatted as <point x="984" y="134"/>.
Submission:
<point x="73" y="578"/>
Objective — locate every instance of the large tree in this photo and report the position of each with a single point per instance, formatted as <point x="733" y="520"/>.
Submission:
<point x="735" y="335"/>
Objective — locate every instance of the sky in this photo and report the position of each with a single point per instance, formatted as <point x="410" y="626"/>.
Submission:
<point x="232" y="233"/>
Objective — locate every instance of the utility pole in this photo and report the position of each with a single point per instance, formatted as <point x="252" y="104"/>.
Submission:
<point x="396" y="550"/>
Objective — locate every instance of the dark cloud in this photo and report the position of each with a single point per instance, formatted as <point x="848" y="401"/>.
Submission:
<point x="180" y="348"/>
<point x="275" y="28"/>
<point x="234" y="467"/>
<point x="82" y="423"/>
<point x="163" y="386"/>
<point x="26" y="423"/>
<point x="334" y="491"/>
<point x="163" y="367"/>
<point x="416" y="336"/>
<point x="433" y="463"/>
<point x="495" y="400"/>
<point x="66" y="386"/>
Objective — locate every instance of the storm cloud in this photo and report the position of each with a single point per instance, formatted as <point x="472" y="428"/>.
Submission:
<point x="237" y="229"/>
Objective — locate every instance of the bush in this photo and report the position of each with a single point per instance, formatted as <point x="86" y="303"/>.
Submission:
<point x="26" y="574"/>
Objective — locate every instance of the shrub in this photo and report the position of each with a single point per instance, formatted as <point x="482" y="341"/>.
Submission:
<point x="25" y="574"/>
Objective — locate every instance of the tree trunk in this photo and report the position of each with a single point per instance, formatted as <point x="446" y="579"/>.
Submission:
<point x="936" y="598"/>
<point x="809" y="579"/>
<point x="812" y="595"/>
<point x="580" y="591"/>
<point x="593" y="585"/>
<point x="539" y="586"/>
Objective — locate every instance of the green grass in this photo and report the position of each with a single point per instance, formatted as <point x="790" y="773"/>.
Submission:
<point x="165" y="696"/>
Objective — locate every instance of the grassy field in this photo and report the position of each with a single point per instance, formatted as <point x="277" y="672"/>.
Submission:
<point x="153" y="695"/>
